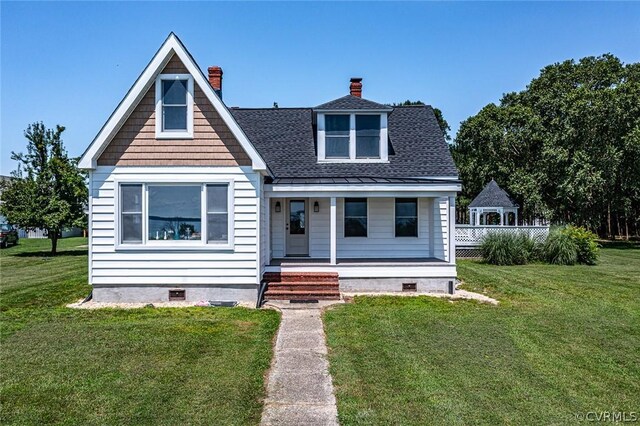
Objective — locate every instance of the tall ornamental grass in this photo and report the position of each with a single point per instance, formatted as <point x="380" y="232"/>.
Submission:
<point x="502" y="248"/>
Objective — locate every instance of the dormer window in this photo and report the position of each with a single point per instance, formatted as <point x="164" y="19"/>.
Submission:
<point x="352" y="137"/>
<point x="174" y="106"/>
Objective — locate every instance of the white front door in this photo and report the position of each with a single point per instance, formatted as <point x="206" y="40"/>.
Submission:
<point x="297" y="228"/>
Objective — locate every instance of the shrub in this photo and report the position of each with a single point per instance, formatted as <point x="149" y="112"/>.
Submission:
<point x="560" y="248"/>
<point x="586" y="244"/>
<point x="501" y="248"/>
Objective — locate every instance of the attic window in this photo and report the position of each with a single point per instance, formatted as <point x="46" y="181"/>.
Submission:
<point x="352" y="137"/>
<point x="174" y="106"/>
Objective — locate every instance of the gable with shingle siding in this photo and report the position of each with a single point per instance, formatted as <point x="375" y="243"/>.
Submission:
<point x="213" y="144"/>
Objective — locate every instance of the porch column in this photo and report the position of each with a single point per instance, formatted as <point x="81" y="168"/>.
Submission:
<point x="452" y="229"/>
<point x="333" y="231"/>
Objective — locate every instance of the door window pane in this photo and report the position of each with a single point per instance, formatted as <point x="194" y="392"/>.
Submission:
<point x="337" y="136"/>
<point x="355" y="217"/>
<point x="174" y="212"/>
<point x="217" y="213"/>
<point x="406" y="217"/>
<point x="296" y="217"/>
<point x="367" y="136"/>
<point x="131" y="213"/>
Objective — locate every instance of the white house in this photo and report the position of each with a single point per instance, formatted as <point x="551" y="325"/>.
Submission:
<point x="192" y="200"/>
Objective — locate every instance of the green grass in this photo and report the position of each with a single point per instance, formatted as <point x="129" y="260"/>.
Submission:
<point x="142" y="366"/>
<point x="563" y="340"/>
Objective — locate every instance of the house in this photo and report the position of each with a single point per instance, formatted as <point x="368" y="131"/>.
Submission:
<point x="190" y="199"/>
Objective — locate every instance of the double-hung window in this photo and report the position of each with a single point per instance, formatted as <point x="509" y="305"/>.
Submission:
<point x="406" y="217"/>
<point x="337" y="135"/>
<point x="355" y="217"/>
<point x="352" y="137"/>
<point x="176" y="215"/>
<point x="174" y="106"/>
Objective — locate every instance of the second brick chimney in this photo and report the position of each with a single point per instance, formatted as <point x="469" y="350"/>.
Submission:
<point x="215" y="79"/>
<point x="355" y="88"/>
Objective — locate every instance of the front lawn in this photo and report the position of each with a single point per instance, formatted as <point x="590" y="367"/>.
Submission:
<point x="142" y="366"/>
<point x="564" y="341"/>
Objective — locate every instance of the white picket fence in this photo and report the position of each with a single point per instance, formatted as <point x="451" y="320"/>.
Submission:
<point x="471" y="235"/>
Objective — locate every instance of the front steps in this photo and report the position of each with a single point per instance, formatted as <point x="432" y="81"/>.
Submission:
<point x="302" y="286"/>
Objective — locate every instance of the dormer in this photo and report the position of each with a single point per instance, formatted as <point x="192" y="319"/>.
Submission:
<point x="352" y="129"/>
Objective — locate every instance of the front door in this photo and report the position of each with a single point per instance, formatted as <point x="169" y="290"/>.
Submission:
<point x="297" y="228"/>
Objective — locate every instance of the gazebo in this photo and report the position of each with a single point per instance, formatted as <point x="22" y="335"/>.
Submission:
<point x="492" y="199"/>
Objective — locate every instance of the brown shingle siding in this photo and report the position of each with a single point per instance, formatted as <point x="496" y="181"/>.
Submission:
<point x="213" y="144"/>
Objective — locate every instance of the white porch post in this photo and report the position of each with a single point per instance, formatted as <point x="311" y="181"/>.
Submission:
<point x="452" y="229"/>
<point x="333" y="231"/>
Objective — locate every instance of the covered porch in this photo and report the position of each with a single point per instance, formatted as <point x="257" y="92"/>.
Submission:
<point x="360" y="230"/>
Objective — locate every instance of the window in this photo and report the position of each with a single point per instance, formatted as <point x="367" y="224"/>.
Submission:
<point x="337" y="128"/>
<point x="217" y="213"/>
<point x="131" y="213"/>
<point x="171" y="215"/>
<point x="367" y="136"/>
<point x="406" y="217"/>
<point x="174" y="213"/>
<point x="174" y="106"/>
<point x="352" y="137"/>
<point x="355" y="217"/>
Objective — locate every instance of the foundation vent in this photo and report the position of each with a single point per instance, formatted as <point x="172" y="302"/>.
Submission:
<point x="409" y="286"/>
<point x="177" y="294"/>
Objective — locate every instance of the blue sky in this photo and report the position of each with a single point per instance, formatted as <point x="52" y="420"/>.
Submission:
<point x="71" y="63"/>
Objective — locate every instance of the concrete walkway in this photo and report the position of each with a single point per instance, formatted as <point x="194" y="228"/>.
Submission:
<point x="299" y="388"/>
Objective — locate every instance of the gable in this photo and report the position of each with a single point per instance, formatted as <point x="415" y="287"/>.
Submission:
<point x="219" y="119"/>
<point x="213" y="144"/>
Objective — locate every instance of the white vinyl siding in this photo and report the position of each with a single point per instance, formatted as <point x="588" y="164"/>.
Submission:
<point x="206" y="265"/>
<point x="381" y="242"/>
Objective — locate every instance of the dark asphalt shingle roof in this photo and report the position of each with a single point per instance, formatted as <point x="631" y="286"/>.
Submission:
<point x="351" y="102"/>
<point x="286" y="139"/>
<point x="492" y="196"/>
<point x="355" y="180"/>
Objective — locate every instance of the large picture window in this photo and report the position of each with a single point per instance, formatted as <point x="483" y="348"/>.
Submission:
<point x="180" y="215"/>
<point x="355" y="217"/>
<point x="175" y="213"/>
<point x="406" y="217"/>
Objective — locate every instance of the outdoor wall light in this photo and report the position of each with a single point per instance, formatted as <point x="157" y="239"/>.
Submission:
<point x="316" y="207"/>
<point x="277" y="206"/>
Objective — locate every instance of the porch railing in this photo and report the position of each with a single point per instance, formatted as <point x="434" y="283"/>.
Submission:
<point x="471" y="235"/>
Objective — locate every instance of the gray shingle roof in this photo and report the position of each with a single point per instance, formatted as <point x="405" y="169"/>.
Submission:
<point x="351" y="102"/>
<point x="492" y="196"/>
<point x="286" y="139"/>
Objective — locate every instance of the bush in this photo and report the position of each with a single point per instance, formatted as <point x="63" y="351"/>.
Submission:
<point x="586" y="244"/>
<point x="560" y="248"/>
<point x="501" y="248"/>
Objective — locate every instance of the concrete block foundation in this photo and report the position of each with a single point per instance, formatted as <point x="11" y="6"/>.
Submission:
<point x="160" y="293"/>
<point x="395" y="285"/>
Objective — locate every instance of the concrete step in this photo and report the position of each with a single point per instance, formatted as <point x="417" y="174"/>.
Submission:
<point x="302" y="295"/>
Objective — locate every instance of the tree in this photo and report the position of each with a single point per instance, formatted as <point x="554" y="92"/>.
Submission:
<point x="566" y="147"/>
<point x="47" y="190"/>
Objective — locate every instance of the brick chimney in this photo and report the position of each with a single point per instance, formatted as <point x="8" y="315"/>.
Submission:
<point x="215" y="79"/>
<point x="355" y="88"/>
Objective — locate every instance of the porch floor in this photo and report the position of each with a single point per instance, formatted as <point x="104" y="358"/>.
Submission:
<point x="303" y="261"/>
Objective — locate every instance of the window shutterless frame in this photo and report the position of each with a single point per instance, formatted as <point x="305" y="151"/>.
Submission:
<point x="345" y="217"/>
<point x="159" y="116"/>
<point x="353" y="156"/>
<point x="396" y="217"/>
<point x="202" y="244"/>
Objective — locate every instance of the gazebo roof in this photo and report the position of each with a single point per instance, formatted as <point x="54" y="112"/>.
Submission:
<point x="493" y="196"/>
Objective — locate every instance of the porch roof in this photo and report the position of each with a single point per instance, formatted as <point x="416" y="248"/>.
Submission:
<point x="360" y="180"/>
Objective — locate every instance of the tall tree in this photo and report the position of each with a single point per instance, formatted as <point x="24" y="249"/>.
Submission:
<point x="566" y="147"/>
<point x="47" y="190"/>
